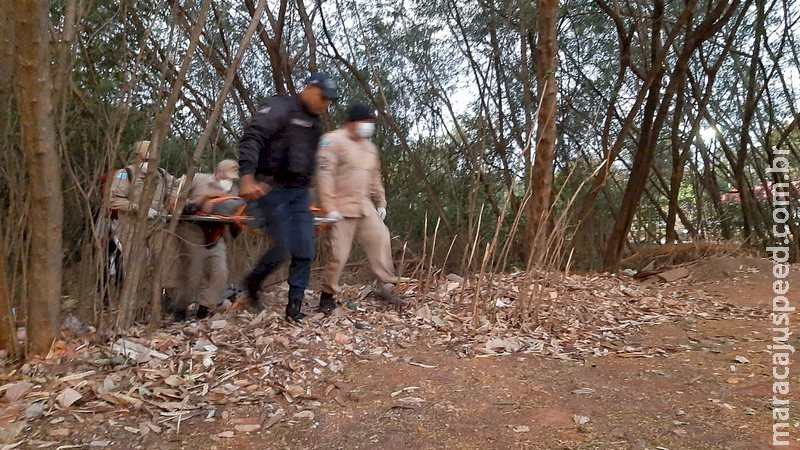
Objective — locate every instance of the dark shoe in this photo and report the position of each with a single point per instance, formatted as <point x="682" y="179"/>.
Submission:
<point x="326" y="303"/>
<point x="179" y="316"/>
<point x="203" y="312"/>
<point x="252" y="288"/>
<point x="293" y="313"/>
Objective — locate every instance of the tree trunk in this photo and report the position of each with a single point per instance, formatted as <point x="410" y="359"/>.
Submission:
<point x="706" y="179"/>
<point x="273" y="44"/>
<point x="219" y="61"/>
<point x="37" y="123"/>
<point x="542" y="172"/>
<point x="137" y="259"/>
<point x="746" y="199"/>
<point x="8" y="330"/>
<point x="679" y="155"/>
<point x="645" y="151"/>
<point x="527" y="98"/>
<point x="308" y="29"/>
<point x="6" y="71"/>
<point x="651" y="73"/>
<point x="643" y="157"/>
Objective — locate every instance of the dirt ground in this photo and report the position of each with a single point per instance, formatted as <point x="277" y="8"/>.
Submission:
<point x="695" y="397"/>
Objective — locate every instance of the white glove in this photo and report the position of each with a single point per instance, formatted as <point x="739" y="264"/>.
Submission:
<point x="335" y="215"/>
<point x="151" y="213"/>
<point x="382" y="213"/>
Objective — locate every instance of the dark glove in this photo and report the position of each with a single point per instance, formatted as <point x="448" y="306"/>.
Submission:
<point x="191" y="209"/>
<point x="235" y="230"/>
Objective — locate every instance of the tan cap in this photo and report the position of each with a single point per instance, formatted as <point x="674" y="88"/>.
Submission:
<point x="228" y="168"/>
<point x="141" y="148"/>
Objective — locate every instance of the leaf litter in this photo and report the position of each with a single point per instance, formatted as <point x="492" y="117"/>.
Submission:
<point x="150" y="382"/>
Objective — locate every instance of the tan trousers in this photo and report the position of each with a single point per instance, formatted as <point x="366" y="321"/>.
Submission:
<point x="372" y="235"/>
<point x="201" y="273"/>
<point x="151" y="244"/>
<point x="125" y="228"/>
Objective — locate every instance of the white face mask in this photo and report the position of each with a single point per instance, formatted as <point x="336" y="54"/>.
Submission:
<point x="143" y="167"/>
<point x="365" y="129"/>
<point x="227" y="185"/>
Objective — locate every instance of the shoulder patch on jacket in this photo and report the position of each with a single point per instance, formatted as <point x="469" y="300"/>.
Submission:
<point x="325" y="143"/>
<point x="122" y="175"/>
<point x="302" y="123"/>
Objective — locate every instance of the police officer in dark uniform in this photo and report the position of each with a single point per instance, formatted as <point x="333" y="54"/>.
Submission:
<point x="277" y="157"/>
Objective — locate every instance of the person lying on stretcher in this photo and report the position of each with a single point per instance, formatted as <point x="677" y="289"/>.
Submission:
<point x="215" y="213"/>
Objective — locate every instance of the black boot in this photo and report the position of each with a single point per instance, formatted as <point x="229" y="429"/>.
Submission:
<point x="252" y="287"/>
<point x="326" y="303"/>
<point x="293" y="313"/>
<point x="203" y="312"/>
<point x="179" y="315"/>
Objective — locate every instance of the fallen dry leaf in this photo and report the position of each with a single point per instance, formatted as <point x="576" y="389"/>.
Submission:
<point x="136" y="351"/>
<point x="583" y="391"/>
<point x="34" y="411"/>
<point x="411" y="400"/>
<point x="174" y="381"/>
<point x="10" y="431"/>
<point x="405" y="389"/>
<point x="294" y="390"/>
<point x="59" y="432"/>
<point x="342" y="339"/>
<point x="503" y="345"/>
<point x="424" y="313"/>
<point x="424" y="366"/>
<point x="304" y="415"/>
<point x="674" y="274"/>
<point x="247" y="428"/>
<point x="279" y="414"/>
<point x="580" y="420"/>
<point x="68" y="397"/>
<point x="16" y="391"/>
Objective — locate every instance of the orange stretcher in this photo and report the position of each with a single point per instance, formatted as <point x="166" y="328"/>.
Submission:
<point x="240" y="218"/>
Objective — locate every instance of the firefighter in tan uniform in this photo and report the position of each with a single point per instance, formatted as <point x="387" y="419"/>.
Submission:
<point x="351" y="192"/>
<point x="126" y="191"/>
<point x="202" y="266"/>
